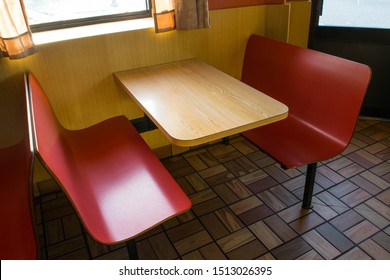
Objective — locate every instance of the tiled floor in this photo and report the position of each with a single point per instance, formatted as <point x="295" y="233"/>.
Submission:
<point x="246" y="207"/>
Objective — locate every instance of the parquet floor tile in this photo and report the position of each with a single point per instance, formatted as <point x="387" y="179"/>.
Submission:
<point x="245" y="206"/>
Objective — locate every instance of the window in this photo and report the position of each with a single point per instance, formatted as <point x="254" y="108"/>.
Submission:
<point x="56" y="14"/>
<point x="355" y="13"/>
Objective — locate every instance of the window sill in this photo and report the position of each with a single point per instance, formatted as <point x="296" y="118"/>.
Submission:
<point x="58" y="35"/>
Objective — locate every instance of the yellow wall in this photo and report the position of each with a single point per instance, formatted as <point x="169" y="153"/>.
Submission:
<point x="77" y="74"/>
<point x="289" y="23"/>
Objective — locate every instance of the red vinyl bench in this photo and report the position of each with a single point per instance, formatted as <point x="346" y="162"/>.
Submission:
<point x="115" y="182"/>
<point x="17" y="216"/>
<point x="324" y="94"/>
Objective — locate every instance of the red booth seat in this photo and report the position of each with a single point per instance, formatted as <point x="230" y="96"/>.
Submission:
<point x="324" y="94"/>
<point x="117" y="185"/>
<point x="18" y="232"/>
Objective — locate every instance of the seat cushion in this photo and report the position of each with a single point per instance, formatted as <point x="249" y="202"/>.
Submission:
<point x="294" y="143"/>
<point x="117" y="183"/>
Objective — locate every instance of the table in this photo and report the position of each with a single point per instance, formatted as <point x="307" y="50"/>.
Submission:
<point x="193" y="103"/>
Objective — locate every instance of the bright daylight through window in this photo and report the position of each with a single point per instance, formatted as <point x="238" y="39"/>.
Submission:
<point x="356" y="13"/>
<point x="54" y="14"/>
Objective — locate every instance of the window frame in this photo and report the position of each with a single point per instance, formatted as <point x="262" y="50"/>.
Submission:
<point x="56" y="25"/>
<point x="354" y="34"/>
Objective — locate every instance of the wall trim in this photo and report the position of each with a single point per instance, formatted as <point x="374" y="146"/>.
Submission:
<point x="224" y="4"/>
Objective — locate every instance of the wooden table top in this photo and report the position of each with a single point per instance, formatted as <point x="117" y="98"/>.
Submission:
<point x="193" y="103"/>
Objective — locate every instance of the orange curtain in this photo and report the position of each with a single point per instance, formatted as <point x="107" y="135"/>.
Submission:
<point x="180" y="14"/>
<point x="15" y="35"/>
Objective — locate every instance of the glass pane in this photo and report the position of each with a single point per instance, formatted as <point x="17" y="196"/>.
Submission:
<point x="356" y="13"/>
<point x="46" y="11"/>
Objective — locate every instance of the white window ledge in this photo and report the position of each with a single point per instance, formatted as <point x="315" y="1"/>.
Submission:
<point x="58" y="35"/>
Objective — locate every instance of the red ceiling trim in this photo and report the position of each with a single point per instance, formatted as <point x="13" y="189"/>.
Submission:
<point x="224" y="4"/>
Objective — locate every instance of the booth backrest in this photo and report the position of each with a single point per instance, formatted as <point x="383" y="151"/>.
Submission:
<point x="17" y="216"/>
<point x="319" y="89"/>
